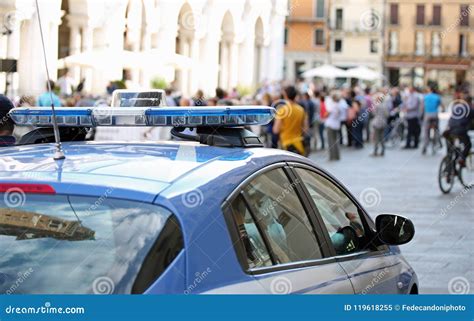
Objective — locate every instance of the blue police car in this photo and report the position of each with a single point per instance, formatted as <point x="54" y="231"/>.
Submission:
<point x="208" y="212"/>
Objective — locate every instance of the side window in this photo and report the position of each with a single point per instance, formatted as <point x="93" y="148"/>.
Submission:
<point x="255" y="249"/>
<point x="338" y="212"/>
<point x="281" y="218"/>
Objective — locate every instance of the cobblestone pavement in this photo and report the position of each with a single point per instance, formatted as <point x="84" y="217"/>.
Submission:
<point x="405" y="182"/>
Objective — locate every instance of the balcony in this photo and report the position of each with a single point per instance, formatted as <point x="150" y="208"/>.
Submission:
<point x="356" y="27"/>
<point x="306" y="19"/>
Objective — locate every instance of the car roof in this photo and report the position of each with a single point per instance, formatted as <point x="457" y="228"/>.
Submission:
<point x="134" y="170"/>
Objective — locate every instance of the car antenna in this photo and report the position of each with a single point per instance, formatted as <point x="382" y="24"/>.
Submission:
<point x="58" y="153"/>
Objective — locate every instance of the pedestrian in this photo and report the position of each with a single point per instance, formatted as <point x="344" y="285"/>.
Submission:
<point x="356" y="124"/>
<point x="431" y="105"/>
<point x="6" y="123"/>
<point x="315" y="120"/>
<point x="170" y="101"/>
<point x="380" y="111"/>
<point x="271" y="139"/>
<point x="344" y="104"/>
<point x="307" y="103"/>
<point x="44" y="100"/>
<point x="66" y="84"/>
<point x="291" y="123"/>
<point x="334" y="108"/>
<point x="323" y="114"/>
<point x="412" y="108"/>
<point x="198" y="99"/>
<point x="366" y="112"/>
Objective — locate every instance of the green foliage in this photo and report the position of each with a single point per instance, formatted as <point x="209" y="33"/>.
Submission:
<point x="159" y="83"/>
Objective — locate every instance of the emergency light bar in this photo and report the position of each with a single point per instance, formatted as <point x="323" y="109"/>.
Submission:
<point x="144" y="116"/>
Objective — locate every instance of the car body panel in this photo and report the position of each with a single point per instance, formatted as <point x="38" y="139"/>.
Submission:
<point x="192" y="181"/>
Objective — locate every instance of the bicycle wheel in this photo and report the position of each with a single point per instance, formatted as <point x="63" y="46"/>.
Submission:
<point x="393" y="140"/>
<point x="446" y="175"/>
<point x="437" y="144"/>
<point x="466" y="174"/>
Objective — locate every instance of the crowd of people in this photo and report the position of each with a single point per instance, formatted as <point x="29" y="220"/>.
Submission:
<point x="355" y="116"/>
<point x="308" y="119"/>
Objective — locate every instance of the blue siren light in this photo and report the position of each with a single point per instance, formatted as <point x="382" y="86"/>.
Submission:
<point x="144" y="116"/>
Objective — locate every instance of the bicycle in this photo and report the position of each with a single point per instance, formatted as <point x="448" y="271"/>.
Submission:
<point x="434" y="137"/>
<point x="396" y="132"/>
<point x="450" y="168"/>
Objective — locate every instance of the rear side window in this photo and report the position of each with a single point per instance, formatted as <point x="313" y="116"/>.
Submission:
<point x="282" y="218"/>
<point x="255" y="249"/>
<point x="60" y="244"/>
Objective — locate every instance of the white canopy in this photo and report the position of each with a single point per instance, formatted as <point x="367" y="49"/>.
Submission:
<point x="325" y="71"/>
<point x="363" y="73"/>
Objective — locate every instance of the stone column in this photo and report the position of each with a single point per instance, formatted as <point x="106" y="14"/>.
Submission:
<point x="194" y="71"/>
<point x="224" y="65"/>
<point x="277" y="48"/>
<point x="13" y="52"/>
<point x="247" y="54"/>
<point x="146" y="46"/>
<point x="184" y="49"/>
<point x="75" y="48"/>
<point x="234" y="65"/>
<point x="87" y="46"/>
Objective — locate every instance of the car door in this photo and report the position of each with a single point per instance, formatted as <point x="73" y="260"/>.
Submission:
<point x="279" y="243"/>
<point x="371" y="269"/>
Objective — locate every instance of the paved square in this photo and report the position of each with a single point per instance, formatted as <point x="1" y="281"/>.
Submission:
<point x="405" y="182"/>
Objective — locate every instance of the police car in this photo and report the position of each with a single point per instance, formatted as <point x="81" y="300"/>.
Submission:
<point x="208" y="212"/>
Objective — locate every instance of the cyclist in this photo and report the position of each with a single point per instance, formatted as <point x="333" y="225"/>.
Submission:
<point x="432" y="104"/>
<point x="460" y="122"/>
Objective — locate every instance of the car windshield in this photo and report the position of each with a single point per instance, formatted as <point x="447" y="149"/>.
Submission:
<point x="72" y="244"/>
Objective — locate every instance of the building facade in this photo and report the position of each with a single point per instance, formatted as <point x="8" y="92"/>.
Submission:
<point x="429" y="41"/>
<point x="229" y="43"/>
<point x="306" y="36"/>
<point x="356" y="33"/>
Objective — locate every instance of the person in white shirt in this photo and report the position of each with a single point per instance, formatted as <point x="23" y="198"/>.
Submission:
<point x="332" y="123"/>
<point x="65" y="84"/>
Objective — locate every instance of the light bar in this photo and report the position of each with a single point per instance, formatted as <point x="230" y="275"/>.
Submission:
<point x="144" y="116"/>
<point x="131" y="98"/>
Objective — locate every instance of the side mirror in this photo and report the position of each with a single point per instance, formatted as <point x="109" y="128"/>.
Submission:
<point x="394" y="229"/>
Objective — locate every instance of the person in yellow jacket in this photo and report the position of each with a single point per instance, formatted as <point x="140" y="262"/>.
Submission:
<point x="291" y="122"/>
